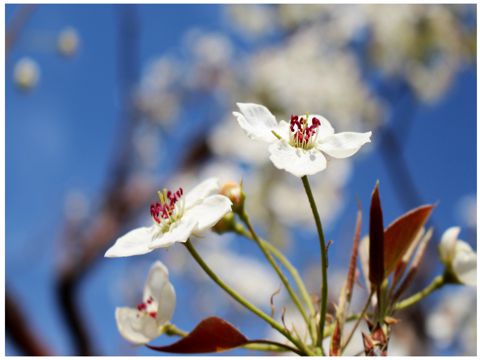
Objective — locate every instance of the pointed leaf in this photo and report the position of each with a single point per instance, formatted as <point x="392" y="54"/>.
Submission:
<point x="422" y="247"/>
<point x="210" y="335"/>
<point x="376" y="253"/>
<point x="400" y="234"/>
<point x="352" y="269"/>
<point x="402" y="264"/>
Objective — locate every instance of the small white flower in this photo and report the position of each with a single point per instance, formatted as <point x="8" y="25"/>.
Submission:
<point x="301" y="145"/>
<point x="175" y="218"/>
<point x="459" y="257"/>
<point x="145" y="322"/>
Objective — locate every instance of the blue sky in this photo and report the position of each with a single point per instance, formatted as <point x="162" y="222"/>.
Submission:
<point x="61" y="135"/>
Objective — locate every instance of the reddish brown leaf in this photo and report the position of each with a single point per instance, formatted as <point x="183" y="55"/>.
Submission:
<point x="401" y="233"/>
<point x="211" y="335"/>
<point x="376" y="253"/>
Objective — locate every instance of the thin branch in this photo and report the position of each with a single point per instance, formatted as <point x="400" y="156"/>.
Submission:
<point x="16" y="26"/>
<point x="19" y="331"/>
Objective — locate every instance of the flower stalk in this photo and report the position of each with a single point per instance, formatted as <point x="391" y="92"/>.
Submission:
<point x="436" y="283"/>
<point x="261" y="244"/>
<point x="274" y="324"/>
<point x="239" y="229"/>
<point x="324" y="258"/>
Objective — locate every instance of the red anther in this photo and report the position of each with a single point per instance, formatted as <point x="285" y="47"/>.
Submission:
<point x="152" y="314"/>
<point x="149" y="300"/>
<point x="315" y="122"/>
<point x="154" y="212"/>
<point x="141" y="307"/>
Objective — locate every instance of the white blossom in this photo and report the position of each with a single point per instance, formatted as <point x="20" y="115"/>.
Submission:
<point x="298" y="147"/>
<point x="145" y="322"/>
<point x="175" y="219"/>
<point x="459" y="257"/>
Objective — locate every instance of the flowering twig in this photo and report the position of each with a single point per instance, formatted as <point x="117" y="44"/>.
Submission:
<point x="436" y="283"/>
<point x="323" y="248"/>
<point x="244" y="216"/>
<point x="241" y="300"/>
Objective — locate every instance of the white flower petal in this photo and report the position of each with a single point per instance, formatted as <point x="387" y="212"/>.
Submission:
<point x="201" y="191"/>
<point x="161" y="290"/>
<point x="135" y="326"/>
<point x="296" y="161"/>
<point x="344" y="144"/>
<point x="209" y="212"/>
<point x="447" y="244"/>
<point x="461" y="245"/>
<point x="324" y="130"/>
<point x="179" y="231"/>
<point x="464" y="266"/>
<point x="283" y="129"/>
<point x="135" y="242"/>
<point x="257" y="121"/>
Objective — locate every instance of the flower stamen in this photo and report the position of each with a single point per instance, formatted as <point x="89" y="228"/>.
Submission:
<point x="168" y="210"/>
<point x="301" y="134"/>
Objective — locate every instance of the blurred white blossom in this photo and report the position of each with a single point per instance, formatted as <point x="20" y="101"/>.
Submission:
<point x="252" y="19"/>
<point x="228" y="139"/>
<point x="68" y="41"/>
<point x="467" y="210"/>
<point x="328" y="188"/>
<point x="454" y="318"/>
<point x="157" y="94"/>
<point x="26" y="73"/>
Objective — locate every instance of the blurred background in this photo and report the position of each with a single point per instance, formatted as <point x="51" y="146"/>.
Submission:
<point x="105" y="104"/>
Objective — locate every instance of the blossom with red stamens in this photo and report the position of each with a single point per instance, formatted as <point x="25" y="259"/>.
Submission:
<point x="176" y="217"/>
<point x="146" y="322"/>
<point x="298" y="146"/>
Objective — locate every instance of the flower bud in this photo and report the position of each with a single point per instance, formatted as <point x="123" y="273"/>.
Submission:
<point x="226" y="224"/>
<point x="234" y="192"/>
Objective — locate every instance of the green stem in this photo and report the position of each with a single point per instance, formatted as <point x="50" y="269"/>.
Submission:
<point x="323" y="248"/>
<point x="256" y="345"/>
<point x="240" y="299"/>
<point x="239" y="229"/>
<point x="436" y="283"/>
<point x="261" y="244"/>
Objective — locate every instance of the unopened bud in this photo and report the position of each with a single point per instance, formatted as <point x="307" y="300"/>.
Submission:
<point x="235" y="193"/>
<point x="226" y="224"/>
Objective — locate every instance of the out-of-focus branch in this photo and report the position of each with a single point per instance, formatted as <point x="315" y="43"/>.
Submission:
<point x="19" y="331"/>
<point x="16" y="25"/>
<point x="122" y="199"/>
<point x="116" y="206"/>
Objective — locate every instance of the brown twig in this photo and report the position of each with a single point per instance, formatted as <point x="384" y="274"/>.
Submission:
<point x="20" y="331"/>
<point x="16" y="25"/>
